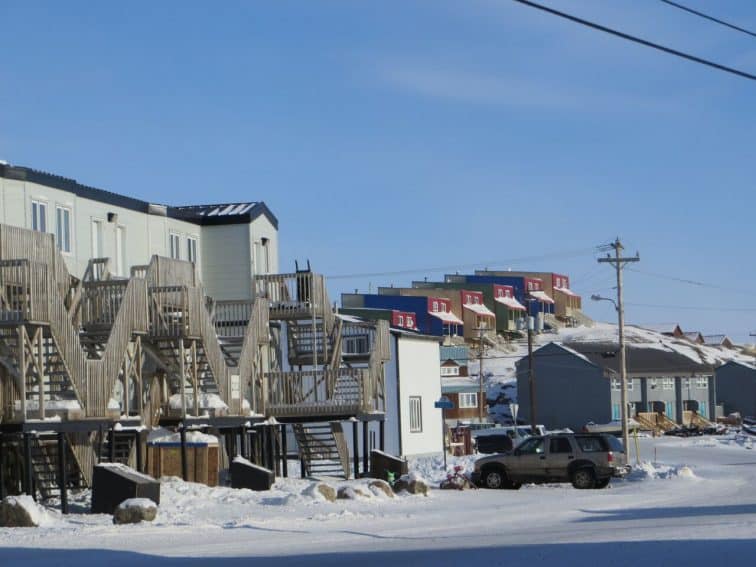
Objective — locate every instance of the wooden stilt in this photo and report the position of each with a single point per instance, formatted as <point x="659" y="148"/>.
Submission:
<point x="356" y="449"/>
<point x="62" y="472"/>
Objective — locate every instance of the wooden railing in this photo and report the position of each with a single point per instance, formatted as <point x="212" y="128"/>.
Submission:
<point x="310" y="392"/>
<point x="15" y="291"/>
<point x="169" y="311"/>
<point x="100" y="302"/>
<point x="250" y="365"/>
<point x="297" y="294"/>
<point x="167" y="271"/>
<point x="230" y="318"/>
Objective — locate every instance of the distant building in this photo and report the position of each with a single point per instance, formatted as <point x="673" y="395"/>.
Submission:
<point x="736" y="388"/>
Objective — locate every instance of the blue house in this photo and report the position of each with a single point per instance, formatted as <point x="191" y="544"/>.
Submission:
<point x="434" y="314"/>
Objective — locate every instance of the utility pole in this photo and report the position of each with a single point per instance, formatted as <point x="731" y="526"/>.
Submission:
<point x="480" y="374"/>
<point x="531" y="378"/>
<point x="619" y="262"/>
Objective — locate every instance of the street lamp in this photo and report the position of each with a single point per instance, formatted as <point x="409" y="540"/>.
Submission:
<point x="623" y="366"/>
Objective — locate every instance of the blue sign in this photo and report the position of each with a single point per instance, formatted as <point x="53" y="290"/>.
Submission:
<point x="444" y="403"/>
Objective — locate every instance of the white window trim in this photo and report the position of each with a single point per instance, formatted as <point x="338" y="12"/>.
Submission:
<point x="189" y="239"/>
<point x="177" y="236"/>
<point x="102" y="223"/>
<point x="416" y="414"/>
<point x="43" y="202"/>
<point x="468" y="400"/>
<point x="71" y="231"/>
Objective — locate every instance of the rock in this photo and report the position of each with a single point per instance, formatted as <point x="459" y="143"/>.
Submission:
<point x="322" y="490"/>
<point x="135" y="510"/>
<point x="401" y="485"/>
<point x="456" y="484"/>
<point x="379" y="487"/>
<point x="20" y="512"/>
<point x="418" y="486"/>
<point x="346" y="493"/>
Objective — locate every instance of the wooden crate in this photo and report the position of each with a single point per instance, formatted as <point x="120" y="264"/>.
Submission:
<point x="203" y="463"/>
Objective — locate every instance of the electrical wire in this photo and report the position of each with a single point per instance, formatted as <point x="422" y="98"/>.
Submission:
<point x="691" y="282"/>
<point x="409" y="271"/>
<point x="638" y="40"/>
<point x="708" y="17"/>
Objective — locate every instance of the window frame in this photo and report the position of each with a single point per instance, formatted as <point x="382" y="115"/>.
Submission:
<point x="468" y="396"/>
<point x="174" y="248"/>
<point x="63" y="211"/>
<point x="415" y="414"/>
<point x="38" y="205"/>
<point x="192" y="247"/>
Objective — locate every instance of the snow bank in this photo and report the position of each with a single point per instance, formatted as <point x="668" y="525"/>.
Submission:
<point x="162" y="436"/>
<point x="206" y="401"/>
<point x="655" y="471"/>
<point x="38" y="514"/>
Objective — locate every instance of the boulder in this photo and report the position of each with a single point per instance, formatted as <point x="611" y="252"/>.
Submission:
<point x="322" y="490"/>
<point x="411" y="485"/>
<point x="20" y="512"/>
<point x="381" y="487"/>
<point x="350" y="493"/>
<point x="135" y="510"/>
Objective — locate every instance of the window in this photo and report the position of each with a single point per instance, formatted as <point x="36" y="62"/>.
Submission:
<point x="39" y="216"/>
<point x="97" y="247"/>
<point x="591" y="444"/>
<point x="468" y="400"/>
<point x="63" y="228"/>
<point x="616" y="413"/>
<point x="616" y="384"/>
<point x="669" y="410"/>
<point x="450" y="371"/>
<point x="401" y="320"/>
<point x="442" y="306"/>
<point x="668" y="383"/>
<point x="630" y="382"/>
<point x="191" y="249"/>
<point x="560" y="445"/>
<point x="175" y="246"/>
<point x="410" y="322"/>
<point x="702" y="382"/>
<point x="435" y="306"/>
<point x="652" y="383"/>
<point x="121" y="266"/>
<point x="416" y="414"/>
<point x="476" y="300"/>
<point x="532" y="446"/>
<point x="266" y="254"/>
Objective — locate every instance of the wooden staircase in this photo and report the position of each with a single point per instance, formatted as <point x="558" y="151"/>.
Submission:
<point x="44" y="461"/>
<point x="322" y="449"/>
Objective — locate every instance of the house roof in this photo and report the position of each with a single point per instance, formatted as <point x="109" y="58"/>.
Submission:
<point x="640" y="360"/>
<point x="566" y="291"/>
<point x="447" y="317"/>
<point x="716" y="340"/>
<point x="228" y="213"/>
<point x="693" y="336"/>
<point x="457" y="384"/>
<point x="541" y="296"/>
<point x="511" y="303"/>
<point x="664" y="328"/>
<point x="479" y="309"/>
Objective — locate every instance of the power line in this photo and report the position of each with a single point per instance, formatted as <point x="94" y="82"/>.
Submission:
<point x="692" y="307"/>
<point x="692" y="282"/>
<point x="707" y="17"/>
<point x="410" y="271"/>
<point x="638" y="40"/>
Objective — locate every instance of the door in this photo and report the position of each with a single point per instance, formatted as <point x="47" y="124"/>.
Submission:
<point x="529" y="461"/>
<point x="560" y="454"/>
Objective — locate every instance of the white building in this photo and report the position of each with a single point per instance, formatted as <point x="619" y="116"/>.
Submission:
<point x="230" y="243"/>
<point x="413" y="424"/>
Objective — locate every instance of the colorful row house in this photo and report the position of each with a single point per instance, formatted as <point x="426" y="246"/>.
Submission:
<point x="528" y="291"/>
<point x="433" y="315"/>
<point x="567" y="303"/>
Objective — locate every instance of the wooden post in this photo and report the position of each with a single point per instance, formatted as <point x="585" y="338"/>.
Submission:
<point x="2" y="467"/>
<point x="182" y="381"/>
<point x="243" y="441"/>
<point x="138" y="449"/>
<point x="184" y="457"/>
<point x="382" y="435"/>
<point x="22" y="366"/>
<point x="99" y="443"/>
<point x="356" y="449"/>
<point x="62" y="473"/>
<point x="28" y="479"/>
<point x="365" y="451"/>
<point x="40" y="373"/>
<point x="285" y="452"/>
<point x="195" y="378"/>
<point x="276" y="449"/>
<point x="111" y="444"/>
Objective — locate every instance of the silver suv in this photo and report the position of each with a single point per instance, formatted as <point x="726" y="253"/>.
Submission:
<point x="586" y="460"/>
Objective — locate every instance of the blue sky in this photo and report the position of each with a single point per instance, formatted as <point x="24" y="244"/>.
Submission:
<point x="397" y="136"/>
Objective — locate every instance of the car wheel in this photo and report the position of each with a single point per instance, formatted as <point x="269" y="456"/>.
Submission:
<point x="602" y="483"/>
<point x="495" y="478"/>
<point x="583" y="478"/>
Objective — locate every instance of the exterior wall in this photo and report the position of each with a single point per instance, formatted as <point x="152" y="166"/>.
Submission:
<point x="452" y="416"/>
<point x="227" y="261"/>
<point x="673" y="398"/>
<point x="735" y="386"/>
<point x="145" y="234"/>
<point x="520" y="285"/>
<point x="418" y="362"/>
<point x="225" y="253"/>
<point x="570" y="391"/>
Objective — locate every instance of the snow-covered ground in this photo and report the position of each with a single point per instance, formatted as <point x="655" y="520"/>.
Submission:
<point x="691" y="503"/>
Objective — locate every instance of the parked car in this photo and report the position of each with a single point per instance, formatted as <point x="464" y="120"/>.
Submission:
<point x="587" y="460"/>
<point x="495" y="443"/>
